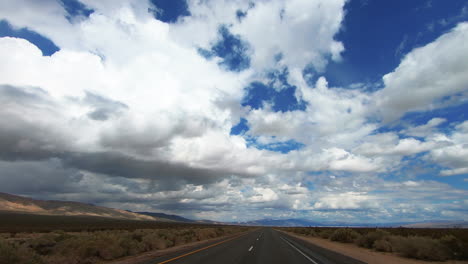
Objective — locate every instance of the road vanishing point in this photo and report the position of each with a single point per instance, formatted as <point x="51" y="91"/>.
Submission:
<point x="264" y="245"/>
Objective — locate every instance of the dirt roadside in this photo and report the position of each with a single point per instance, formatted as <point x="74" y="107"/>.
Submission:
<point x="364" y="254"/>
<point x="147" y="256"/>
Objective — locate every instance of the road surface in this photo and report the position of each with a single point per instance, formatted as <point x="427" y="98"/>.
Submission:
<point x="264" y="245"/>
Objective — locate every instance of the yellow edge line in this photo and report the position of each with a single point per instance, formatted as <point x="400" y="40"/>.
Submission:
<point x="198" y="250"/>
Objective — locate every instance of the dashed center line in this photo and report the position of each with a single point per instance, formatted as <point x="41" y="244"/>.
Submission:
<point x="250" y="249"/>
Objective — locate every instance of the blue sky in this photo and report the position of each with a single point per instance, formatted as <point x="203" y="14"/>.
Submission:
<point x="326" y="110"/>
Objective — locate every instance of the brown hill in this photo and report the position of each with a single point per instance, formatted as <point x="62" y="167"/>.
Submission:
<point x="14" y="203"/>
<point x="440" y="224"/>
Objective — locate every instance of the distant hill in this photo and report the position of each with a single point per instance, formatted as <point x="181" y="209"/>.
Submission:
<point x="211" y="222"/>
<point x="439" y="224"/>
<point x="168" y="217"/>
<point x="304" y="223"/>
<point x="282" y="222"/>
<point x="19" y="204"/>
<point x="179" y="218"/>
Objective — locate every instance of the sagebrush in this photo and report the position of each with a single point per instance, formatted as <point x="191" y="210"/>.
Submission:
<point x="97" y="246"/>
<point x="418" y="243"/>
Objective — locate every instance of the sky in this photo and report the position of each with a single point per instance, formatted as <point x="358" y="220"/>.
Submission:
<point x="233" y="110"/>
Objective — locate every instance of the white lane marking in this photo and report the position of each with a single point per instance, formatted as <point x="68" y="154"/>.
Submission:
<point x="298" y="250"/>
<point x="250" y="249"/>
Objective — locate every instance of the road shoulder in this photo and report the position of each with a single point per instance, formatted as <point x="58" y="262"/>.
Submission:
<point x="148" y="256"/>
<point x="363" y="254"/>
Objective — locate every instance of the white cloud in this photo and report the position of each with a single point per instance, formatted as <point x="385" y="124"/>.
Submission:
<point x="426" y="75"/>
<point x="302" y="30"/>
<point x="333" y="117"/>
<point x="391" y="144"/>
<point x="160" y="104"/>
<point x="455" y="156"/>
<point x="126" y="83"/>
<point x="51" y="22"/>
<point x="348" y="200"/>
<point x="263" y="195"/>
<point x="454" y="172"/>
<point x="424" y="130"/>
<point x="339" y="159"/>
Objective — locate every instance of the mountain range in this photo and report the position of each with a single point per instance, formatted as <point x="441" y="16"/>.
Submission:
<point x="19" y="204"/>
<point x="294" y="222"/>
<point x="168" y="217"/>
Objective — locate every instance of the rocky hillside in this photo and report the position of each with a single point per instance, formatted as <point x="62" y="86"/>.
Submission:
<point x="14" y="203"/>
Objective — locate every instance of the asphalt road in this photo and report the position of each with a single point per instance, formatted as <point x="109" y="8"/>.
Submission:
<point x="265" y="245"/>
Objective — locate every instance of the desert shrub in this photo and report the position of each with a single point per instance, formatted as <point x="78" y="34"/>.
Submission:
<point x="458" y="249"/>
<point x="99" y="245"/>
<point x="189" y="235"/>
<point x="219" y="231"/>
<point x="420" y="248"/>
<point x="306" y="231"/>
<point x="205" y="233"/>
<point x="106" y="245"/>
<point x="312" y="232"/>
<point x="167" y="234"/>
<point x="325" y="233"/>
<point x="8" y="253"/>
<point x="131" y="246"/>
<point x="301" y="230"/>
<point x="137" y="236"/>
<point x="344" y="235"/>
<point x="18" y="254"/>
<point x="110" y="251"/>
<point x="180" y="240"/>
<point x="79" y="249"/>
<point x="59" y="259"/>
<point x="96" y="246"/>
<point x="170" y="243"/>
<point x="60" y="235"/>
<point x="43" y="245"/>
<point x="382" y="245"/>
<point x="110" y="245"/>
<point x="153" y="241"/>
<point x="369" y="239"/>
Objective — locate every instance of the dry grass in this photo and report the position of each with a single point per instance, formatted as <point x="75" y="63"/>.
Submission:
<point x="91" y="247"/>
<point x="423" y="244"/>
<point x="344" y="235"/>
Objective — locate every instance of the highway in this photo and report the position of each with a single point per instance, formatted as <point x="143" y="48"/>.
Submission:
<point x="264" y="245"/>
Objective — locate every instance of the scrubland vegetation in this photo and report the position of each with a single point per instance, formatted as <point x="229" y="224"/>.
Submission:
<point x="424" y="243"/>
<point x="91" y="247"/>
<point x="22" y="222"/>
<point x="86" y="241"/>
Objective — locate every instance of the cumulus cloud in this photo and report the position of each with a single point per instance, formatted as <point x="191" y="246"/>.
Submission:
<point x="349" y="200"/>
<point x="454" y="157"/>
<point x="392" y="144"/>
<point x="302" y="31"/>
<point x="425" y="130"/>
<point x="49" y="176"/>
<point x="129" y="114"/>
<point x="428" y="77"/>
<point x="333" y="116"/>
<point x="273" y="27"/>
<point x="25" y="134"/>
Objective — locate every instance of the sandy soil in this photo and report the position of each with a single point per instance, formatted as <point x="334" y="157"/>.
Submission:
<point x="366" y="255"/>
<point x="157" y="253"/>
